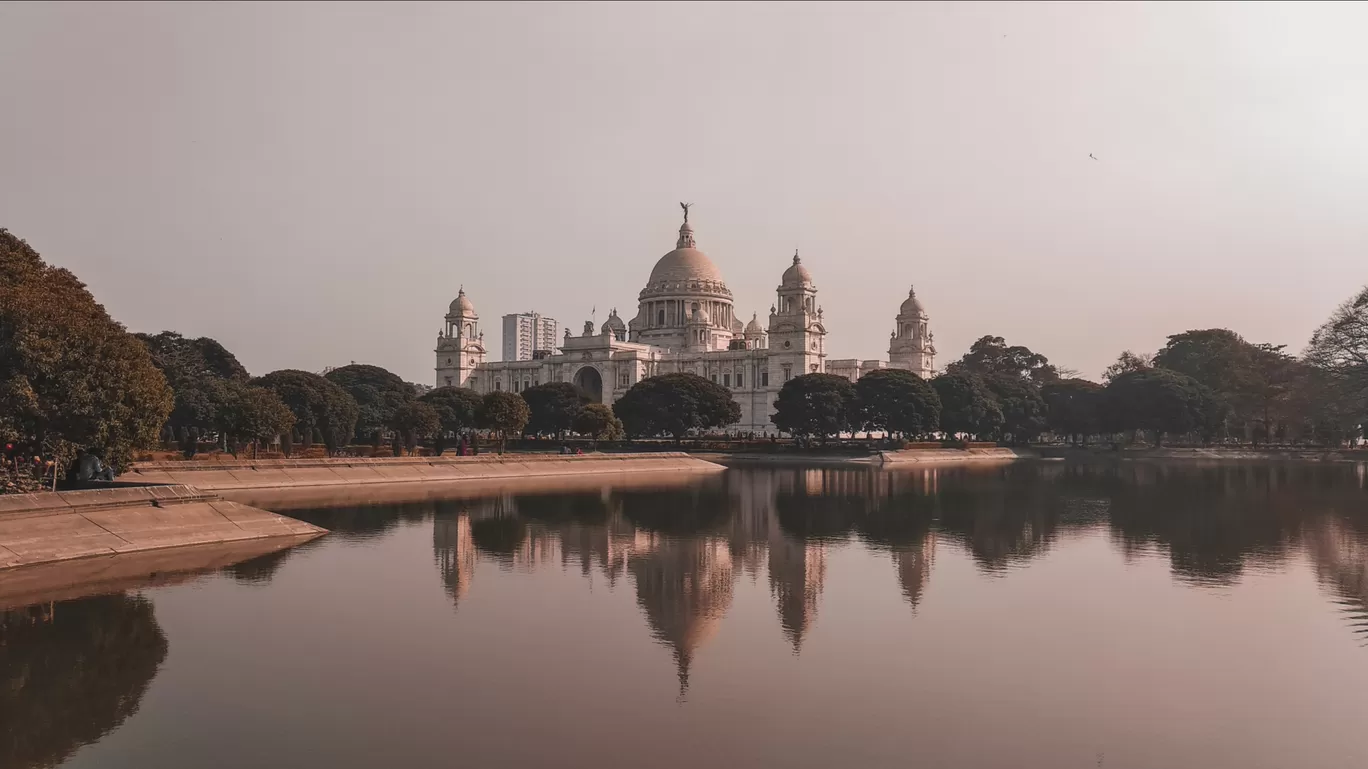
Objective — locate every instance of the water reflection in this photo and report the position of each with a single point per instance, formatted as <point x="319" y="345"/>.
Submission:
<point x="684" y="549"/>
<point x="71" y="672"/>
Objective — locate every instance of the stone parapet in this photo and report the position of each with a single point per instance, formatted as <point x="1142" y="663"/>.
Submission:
<point x="288" y="473"/>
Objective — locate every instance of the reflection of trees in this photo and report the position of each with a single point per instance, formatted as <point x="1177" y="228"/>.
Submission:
<point x="70" y="676"/>
<point x="1339" y="549"/>
<point x="684" y="512"/>
<point x="363" y="521"/>
<point x="1214" y="521"/>
<point x="563" y="508"/>
<point x="1004" y="519"/>
<point x="501" y="537"/>
<point x="684" y="586"/>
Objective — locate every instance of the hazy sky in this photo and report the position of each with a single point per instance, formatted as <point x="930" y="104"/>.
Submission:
<point x="310" y="184"/>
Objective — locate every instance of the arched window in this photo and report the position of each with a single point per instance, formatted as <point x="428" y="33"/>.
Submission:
<point x="660" y="318"/>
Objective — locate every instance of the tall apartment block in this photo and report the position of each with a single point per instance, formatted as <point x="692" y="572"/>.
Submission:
<point x="526" y="333"/>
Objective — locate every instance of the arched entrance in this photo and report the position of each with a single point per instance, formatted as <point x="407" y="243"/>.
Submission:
<point x="588" y="380"/>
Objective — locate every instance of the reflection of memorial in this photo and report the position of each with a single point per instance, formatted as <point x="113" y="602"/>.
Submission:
<point x="913" y="564"/>
<point x="72" y="672"/>
<point x="684" y="586"/>
<point x="797" y="571"/>
<point x="454" y="550"/>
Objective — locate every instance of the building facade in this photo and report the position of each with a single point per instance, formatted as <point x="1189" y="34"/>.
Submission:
<point x="686" y="322"/>
<point x="525" y="333"/>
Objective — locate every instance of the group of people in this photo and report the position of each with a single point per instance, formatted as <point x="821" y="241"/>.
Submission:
<point x="24" y="468"/>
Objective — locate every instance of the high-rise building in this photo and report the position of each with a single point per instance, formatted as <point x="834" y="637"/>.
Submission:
<point x="526" y="333"/>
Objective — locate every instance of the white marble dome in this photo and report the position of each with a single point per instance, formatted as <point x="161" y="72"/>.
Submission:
<point x="797" y="274"/>
<point x="683" y="265"/>
<point x="461" y="305"/>
<point x="911" y="305"/>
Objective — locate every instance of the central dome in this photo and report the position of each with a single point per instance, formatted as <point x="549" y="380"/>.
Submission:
<point x="684" y="264"/>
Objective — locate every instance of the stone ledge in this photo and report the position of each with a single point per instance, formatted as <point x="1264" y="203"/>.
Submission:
<point x="70" y="525"/>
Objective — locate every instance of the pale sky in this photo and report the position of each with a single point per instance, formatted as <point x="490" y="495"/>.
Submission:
<point x="310" y="184"/>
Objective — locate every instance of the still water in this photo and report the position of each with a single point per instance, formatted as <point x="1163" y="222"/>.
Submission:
<point x="1029" y="615"/>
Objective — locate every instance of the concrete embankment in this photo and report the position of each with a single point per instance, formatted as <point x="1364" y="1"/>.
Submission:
<point x="307" y="473"/>
<point x="940" y="456"/>
<point x="1211" y="454"/>
<point x="882" y="458"/>
<point x="103" y="523"/>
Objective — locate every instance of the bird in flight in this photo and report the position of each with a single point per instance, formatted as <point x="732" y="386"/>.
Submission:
<point x="1094" y="157"/>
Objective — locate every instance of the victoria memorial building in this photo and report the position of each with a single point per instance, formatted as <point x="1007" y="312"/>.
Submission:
<point x="686" y="321"/>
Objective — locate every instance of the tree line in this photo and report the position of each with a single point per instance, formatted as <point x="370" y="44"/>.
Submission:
<point x="73" y="379"/>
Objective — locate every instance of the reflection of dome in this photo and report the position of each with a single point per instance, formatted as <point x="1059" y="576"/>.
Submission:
<point x="912" y="305"/>
<point x="797" y="274"/>
<point x="753" y="328"/>
<point x="461" y="305"/>
<point x="685" y="588"/>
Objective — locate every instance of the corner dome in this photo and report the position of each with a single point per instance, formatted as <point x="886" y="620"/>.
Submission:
<point x="753" y="328"/>
<point x="911" y="305"/>
<point x="613" y="324"/>
<point x="461" y="304"/>
<point x="797" y="274"/>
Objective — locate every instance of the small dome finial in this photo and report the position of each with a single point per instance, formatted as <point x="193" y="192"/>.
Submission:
<point x="796" y="260"/>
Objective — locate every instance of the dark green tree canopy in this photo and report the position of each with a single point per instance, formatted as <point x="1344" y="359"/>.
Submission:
<point x="597" y="421"/>
<point x="317" y="404"/>
<point x="181" y="358"/>
<point x="1074" y="407"/>
<point x="413" y="420"/>
<point x="70" y="376"/>
<point x="378" y="394"/>
<point x="991" y="357"/>
<point x="815" y="405"/>
<point x="504" y="413"/>
<point x="1022" y="407"/>
<point x="202" y="374"/>
<point x="674" y="404"/>
<point x="1126" y="362"/>
<point x="1159" y="400"/>
<point x="458" y="408"/>
<point x="253" y="413"/>
<point x="897" y="401"/>
<point x="967" y="406"/>
<point x="553" y="407"/>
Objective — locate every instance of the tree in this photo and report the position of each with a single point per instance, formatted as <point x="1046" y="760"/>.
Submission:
<point x="1023" y="408"/>
<point x="598" y="422"/>
<point x="318" y="404"/>
<point x="899" y="401"/>
<point x="553" y="407"/>
<point x="1339" y="350"/>
<point x="504" y="413"/>
<point x="457" y="409"/>
<point x="1161" y="401"/>
<point x="815" y="404"/>
<point x="1073" y="408"/>
<point x="198" y="371"/>
<point x="378" y="394"/>
<point x="413" y="420"/>
<point x="990" y="356"/>
<point x="254" y="414"/>
<point x="674" y="404"/>
<point x="966" y="405"/>
<point x="71" y="377"/>
<point x="1126" y="362"/>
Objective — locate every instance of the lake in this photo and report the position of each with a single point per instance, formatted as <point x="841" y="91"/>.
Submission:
<point x="1037" y="614"/>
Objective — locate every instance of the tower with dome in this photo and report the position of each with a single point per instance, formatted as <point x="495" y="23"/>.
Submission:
<point x="686" y="322"/>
